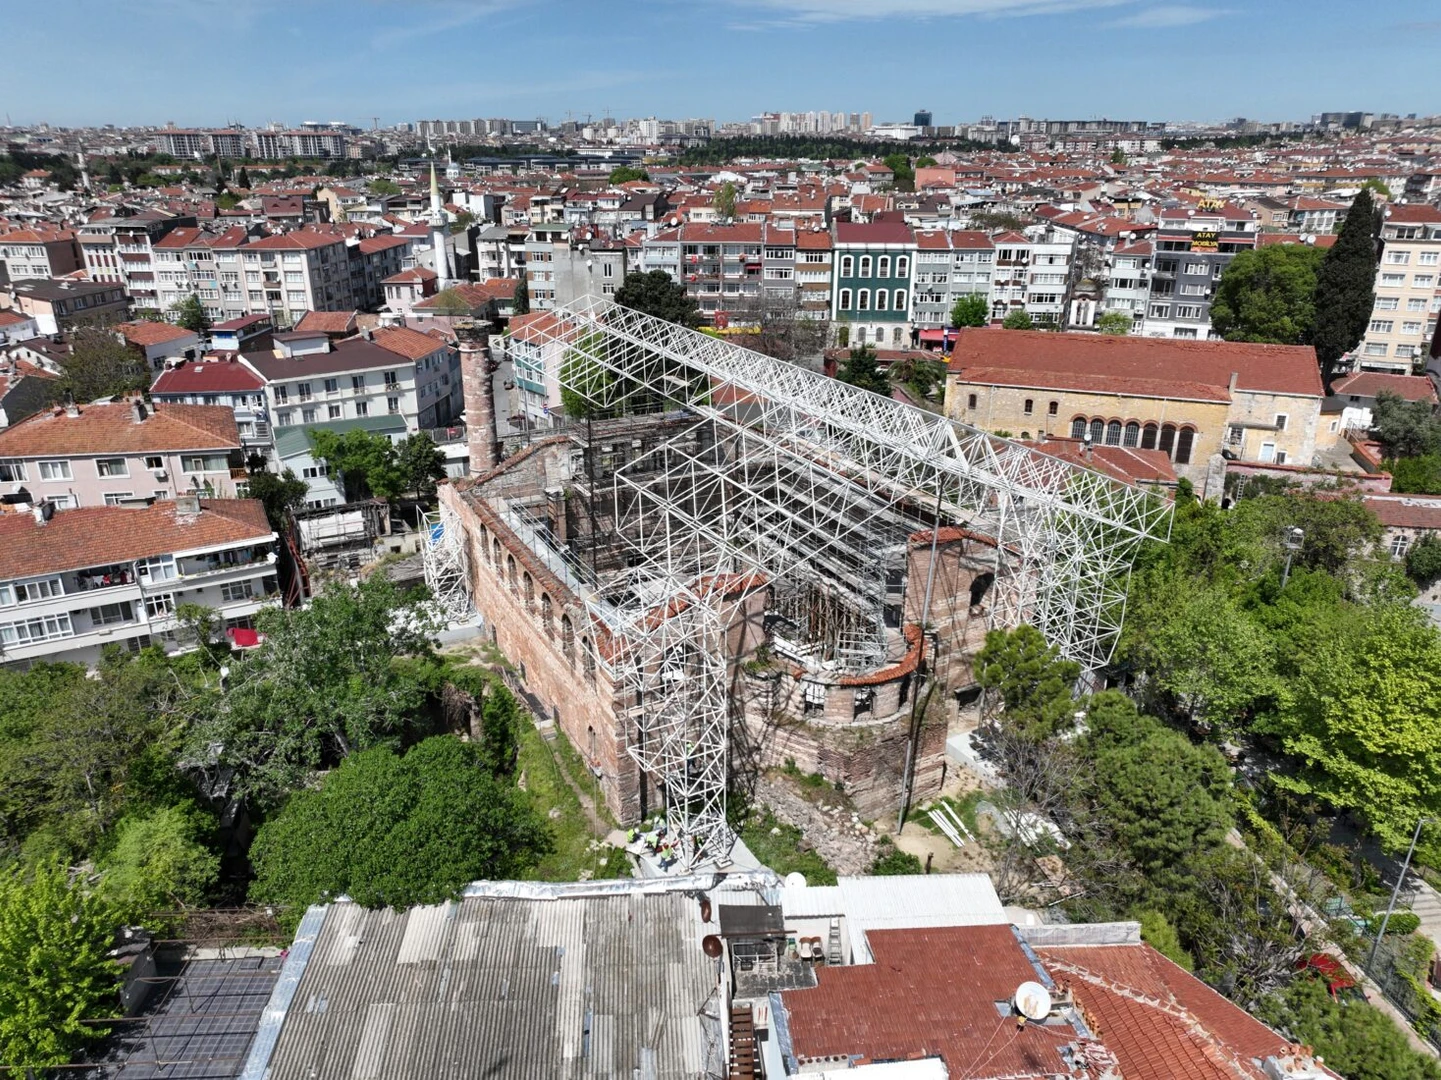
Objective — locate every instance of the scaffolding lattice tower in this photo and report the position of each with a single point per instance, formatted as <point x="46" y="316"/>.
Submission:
<point x="781" y="476"/>
<point x="447" y="574"/>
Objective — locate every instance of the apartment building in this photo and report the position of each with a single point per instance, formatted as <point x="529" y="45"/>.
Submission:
<point x="122" y="452"/>
<point x="73" y="583"/>
<point x="1009" y="268"/>
<point x="193" y="143"/>
<point x="779" y="288"/>
<point x="1192" y="250"/>
<point x="1128" y="282"/>
<point x="1408" y="299"/>
<point x="204" y="264"/>
<point x="949" y="265"/>
<point x="159" y="342"/>
<point x="874" y="264"/>
<point x="563" y="264"/>
<point x="123" y="248"/>
<point x="295" y="272"/>
<point x="536" y="349"/>
<point x="220" y="380"/>
<point x="719" y="265"/>
<point x="1193" y="401"/>
<point x="395" y="371"/>
<point x="39" y="253"/>
<point x="59" y="305"/>
<point x="814" y="264"/>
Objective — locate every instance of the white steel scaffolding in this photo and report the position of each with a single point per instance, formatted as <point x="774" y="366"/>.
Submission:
<point x="780" y="476"/>
<point x="447" y="574"/>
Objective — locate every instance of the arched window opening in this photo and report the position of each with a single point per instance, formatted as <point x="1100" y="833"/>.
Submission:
<point x="1184" y="441"/>
<point x="1133" y="434"/>
<point x="567" y="639"/>
<point x="1168" y="439"/>
<point x="1098" y="430"/>
<point x="1078" y="428"/>
<point x="528" y="588"/>
<point x="547" y="615"/>
<point x="1113" y="433"/>
<point x="510" y="575"/>
<point x="1148" y="437"/>
<point x="980" y="588"/>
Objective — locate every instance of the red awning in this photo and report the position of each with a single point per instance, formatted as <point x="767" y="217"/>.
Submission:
<point x="933" y="335"/>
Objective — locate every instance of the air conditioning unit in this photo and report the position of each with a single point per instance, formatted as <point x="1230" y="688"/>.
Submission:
<point x="161" y="475"/>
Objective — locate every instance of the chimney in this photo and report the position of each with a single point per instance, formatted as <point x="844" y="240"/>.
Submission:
<point x="43" y="511"/>
<point x="187" y="505"/>
<point x="1231" y="386"/>
<point x="71" y="409"/>
<point x="479" y="388"/>
<point x="137" y="410"/>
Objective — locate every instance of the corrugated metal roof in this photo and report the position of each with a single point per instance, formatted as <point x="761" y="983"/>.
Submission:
<point x="566" y="987"/>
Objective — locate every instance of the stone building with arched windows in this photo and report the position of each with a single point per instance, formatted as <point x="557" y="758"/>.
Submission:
<point x="1198" y="402"/>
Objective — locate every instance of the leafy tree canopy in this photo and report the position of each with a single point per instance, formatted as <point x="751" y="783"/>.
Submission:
<point x="520" y="304"/>
<point x="391" y="830"/>
<point x="420" y="464"/>
<point x="1268" y="294"/>
<point x="1115" y="323"/>
<point x="725" y="201"/>
<point x="280" y="495"/>
<point x="381" y="186"/>
<point x="190" y="313"/>
<point x="1032" y="682"/>
<point x="161" y="861"/>
<point x="366" y="461"/>
<point x="970" y="310"/>
<point x="900" y="166"/>
<point x="1018" y="319"/>
<point x="861" y="369"/>
<point x="1423" y="561"/>
<point x="1406" y="428"/>
<point x="100" y="365"/>
<point x="624" y="174"/>
<point x="654" y="293"/>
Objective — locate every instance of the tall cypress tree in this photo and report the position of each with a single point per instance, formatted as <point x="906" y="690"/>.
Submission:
<point x="1346" y="286"/>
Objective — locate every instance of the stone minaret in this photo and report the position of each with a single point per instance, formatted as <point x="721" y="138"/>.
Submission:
<point x="479" y="388"/>
<point x="438" y="231"/>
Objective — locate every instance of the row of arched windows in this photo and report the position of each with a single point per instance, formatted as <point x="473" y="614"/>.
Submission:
<point x="882" y="265"/>
<point x="538" y="604"/>
<point x="1176" y="442"/>
<point x="862" y="300"/>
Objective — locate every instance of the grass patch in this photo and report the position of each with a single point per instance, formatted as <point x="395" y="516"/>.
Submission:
<point x="578" y="854"/>
<point x="813" y="787"/>
<point x="781" y="850"/>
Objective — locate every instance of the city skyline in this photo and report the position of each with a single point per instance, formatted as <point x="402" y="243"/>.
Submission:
<point x="298" y="61"/>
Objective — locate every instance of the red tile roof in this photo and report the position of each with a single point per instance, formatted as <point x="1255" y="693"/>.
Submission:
<point x="1405" y="511"/>
<point x="242" y="323"/>
<point x="1413" y="214"/>
<point x="223" y="377"/>
<point x="299" y="240"/>
<point x="111" y="429"/>
<point x="327" y="322"/>
<point x="1097" y="363"/>
<point x="371" y="244"/>
<point x="1128" y="463"/>
<point x="403" y="341"/>
<point x="102" y="535"/>
<point x="536" y="327"/>
<point x="1370" y="383"/>
<point x="881" y="233"/>
<point x="152" y="333"/>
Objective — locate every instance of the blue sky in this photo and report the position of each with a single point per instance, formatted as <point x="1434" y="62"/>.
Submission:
<point x="212" y="61"/>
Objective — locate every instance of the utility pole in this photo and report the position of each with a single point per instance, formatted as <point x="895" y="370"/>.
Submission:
<point x="1405" y="866"/>
<point x="1294" y="538"/>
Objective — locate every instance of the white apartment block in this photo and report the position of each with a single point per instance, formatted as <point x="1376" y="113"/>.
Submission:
<point x="1408" y="299"/>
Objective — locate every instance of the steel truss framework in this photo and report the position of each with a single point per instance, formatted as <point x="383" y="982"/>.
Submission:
<point x="447" y="574"/>
<point x="779" y="474"/>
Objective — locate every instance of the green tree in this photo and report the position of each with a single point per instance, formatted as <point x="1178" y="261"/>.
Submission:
<point x="900" y="166"/>
<point x="925" y="161"/>
<point x="55" y="976"/>
<point x="381" y="187"/>
<point x="990" y="220"/>
<point x="390" y="830"/>
<point x="1357" y="1040"/>
<point x="1030" y="680"/>
<point x="1378" y="186"/>
<point x="161" y="861"/>
<point x="970" y="310"/>
<point x="462" y="221"/>
<point x="656" y="294"/>
<point x="1018" y="319"/>
<point x="366" y="461"/>
<point x="1114" y="323"/>
<point x="1423" y="561"/>
<point x="1268" y="294"/>
<point x="1118" y="157"/>
<point x="520" y="305"/>
<point x="861" y="369"/>
<point x="242" y="179"/>
<point x="1363" y="720"/>
<point x="420" y="464"/>
<point x="1416" y="475"/>
<point x="190" y="313"/>
<point x="725" y="201"/>
<point x="100" y="365"/>
<point x="1405" y="428"/>
<point x="1160" y="933"/>
<point x="893" y="862"/>
<point x="280" y="495"/>
<point x="323" y="684"/>
<point x="227" y="200"/>
<point x="587" y="386"/>
<point x="1345" y="286"/>
<point x="624" y="174"/>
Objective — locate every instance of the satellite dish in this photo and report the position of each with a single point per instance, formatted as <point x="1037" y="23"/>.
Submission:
<point x="795" y="880"/>
<point x="1033" y="1001"/>
<point x="711" y="946"/>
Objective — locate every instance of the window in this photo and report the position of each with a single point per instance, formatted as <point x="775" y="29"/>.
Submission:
<point x="333" y="412"/>
<point x="1382" y="326"/>
<point x="1185" y="438"/>
<point x="307" y="416"/>
<point x="282" y="396"/>
<point x="205" y="463"/>
<point x="1397" y="258"/>
<point x="1168" y="439"/>
<point x="1030" y="406"/>
<point x="1078" y="428"/>
<point x="1133" y="434"/>
<point x="111" y="466"/>
<point x="310" y="472"/>
<point x="1268" y="452"/>
<point x="845" y="300"/>
<point x="1429" y="258"/>
<point x="1053" y="408"/>
<point x="882" y="299"/>
<point x="391" y="379"/>
<point x="970" y="401"/>
<point x="900" y="304"/>
<point x="392" y="404"/>
<point x="903" y="266"/>
<point x="284" y="418"/>
<point x="848" y="266"/>
<point x="1197" y="268"/>
<point x="30" y="591"/>
<point x="1113" y="433"/>
<point x="1375" y="348"/>
<point x="362" y="408"/>
<point x="115" y="498"/>
<point x="1393" y="280"/>
<point x="863" y="300"/>
<point x="303" y="389"/>
<point x="1194" y="289"/>
<point x="1281" y="420"/>
<point x="1399" y="545"/>
<point x="1416" y="304"/>
<point x="232" y="591"/>
<point x="1410" y="328"/>
<point x="1188" y="311"/>
<point x="32" y="630"/>
<point x="1387" y="303"/>
<point x="159" y="605"/>
<point x="55" y="470"/>
<point x="357" y="382"/>
<point x="1148" y="437"/>
<point x="13" y="472"/>
<point x="110" y="614"/>
<point x="865" y="266"/>
<point x="332" y="386"/>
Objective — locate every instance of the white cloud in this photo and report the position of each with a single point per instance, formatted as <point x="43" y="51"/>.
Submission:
<point x="1168" y="15"/>
<point x="827" y="11"/>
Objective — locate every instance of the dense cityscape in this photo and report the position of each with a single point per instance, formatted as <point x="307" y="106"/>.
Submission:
<point x="824" y="592"/>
